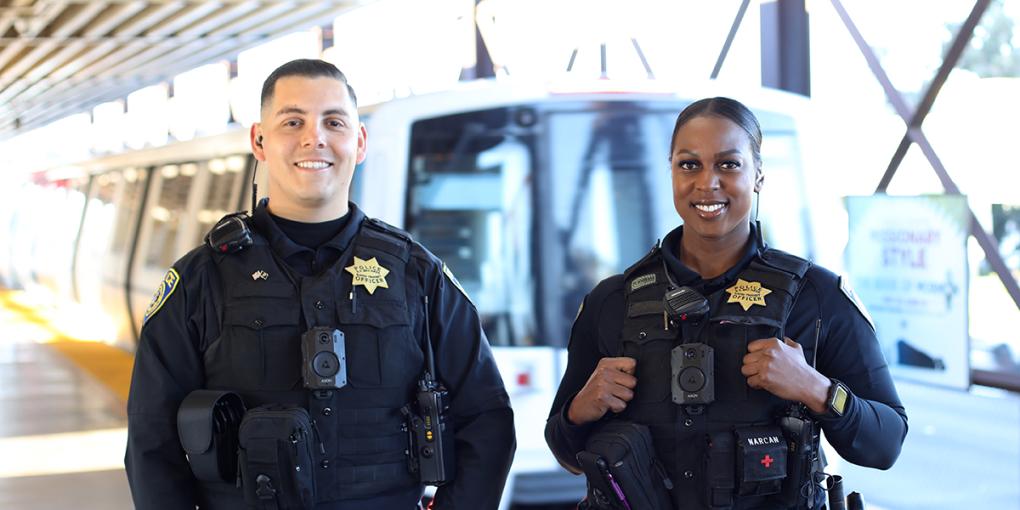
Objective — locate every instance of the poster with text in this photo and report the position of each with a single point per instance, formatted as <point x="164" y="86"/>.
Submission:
<point x="907" y="260"/>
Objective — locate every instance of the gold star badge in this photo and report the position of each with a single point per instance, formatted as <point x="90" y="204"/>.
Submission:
<point x="368" y="273"/>
<point x="747" y="294"/>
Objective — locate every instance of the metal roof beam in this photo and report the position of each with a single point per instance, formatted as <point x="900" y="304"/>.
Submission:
<point x="35" y="93"/>
<point x="16" y="74"/>
<point x="86" y="78"/>
<point x="42" y="21"/>
<point x="62" y="60"/>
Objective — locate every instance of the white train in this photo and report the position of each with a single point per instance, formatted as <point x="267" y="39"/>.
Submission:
<point x="530" y="194"/>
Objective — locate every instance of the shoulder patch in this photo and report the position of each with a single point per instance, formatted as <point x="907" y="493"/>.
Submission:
<point x="453" y="280"/>
<point x="848" y="291"/>
<point x="642" y="281"/>
<point x="166" y="287"/>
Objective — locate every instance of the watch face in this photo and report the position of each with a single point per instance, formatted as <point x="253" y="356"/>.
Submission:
<point x="839" y="397"/>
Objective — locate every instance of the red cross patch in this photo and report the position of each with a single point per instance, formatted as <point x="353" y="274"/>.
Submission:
<point x="767" y="461"/>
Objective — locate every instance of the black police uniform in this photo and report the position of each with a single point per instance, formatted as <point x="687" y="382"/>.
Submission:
<point x="233" y="322"/>
<point x="869" y="433"/>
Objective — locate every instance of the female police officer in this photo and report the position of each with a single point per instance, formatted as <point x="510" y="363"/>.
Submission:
<point x="790" y="344"/>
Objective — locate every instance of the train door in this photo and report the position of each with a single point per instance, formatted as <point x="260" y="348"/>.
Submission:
<point x="106" y="238"/>
<point x="186" y="200"/>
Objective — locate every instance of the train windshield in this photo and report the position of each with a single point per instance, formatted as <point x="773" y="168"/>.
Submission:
<point x="531" y="205"/>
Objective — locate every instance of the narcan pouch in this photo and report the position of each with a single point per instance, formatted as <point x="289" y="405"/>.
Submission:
<point x="619" y="460"/>
<point x="761" y="460"/>
<point x="207" y="424"/>
<point x="277" y="457"/>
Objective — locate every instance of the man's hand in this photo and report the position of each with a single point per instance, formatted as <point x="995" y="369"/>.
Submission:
<point x="609" y="388"/>
<point x="780" y="368"/>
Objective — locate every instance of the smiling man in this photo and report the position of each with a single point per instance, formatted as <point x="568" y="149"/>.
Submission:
<point x="319" y="322"/>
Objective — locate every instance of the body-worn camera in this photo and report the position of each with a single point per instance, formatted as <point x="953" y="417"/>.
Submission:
<point x="325" y="360"/>
<point x="692" y="362"/>
<point x="693" y="374"/>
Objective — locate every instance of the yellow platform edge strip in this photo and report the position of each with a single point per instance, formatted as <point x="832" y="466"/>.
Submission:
<point x="107" y="364"/>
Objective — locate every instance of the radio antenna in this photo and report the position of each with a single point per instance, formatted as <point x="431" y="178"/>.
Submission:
<point x="254" y="187"/>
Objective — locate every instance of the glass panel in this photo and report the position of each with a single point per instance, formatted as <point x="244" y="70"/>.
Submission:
<point x="166" y="215"/>
<point x="129" y="202"/>
<point x="221" y="193"/>
<point x="470" y="204"/>
<point x="611" y="191"/>
<point x="910" y="62"/>
<point x="977" y="107"/>
<point x="783" y="210"/>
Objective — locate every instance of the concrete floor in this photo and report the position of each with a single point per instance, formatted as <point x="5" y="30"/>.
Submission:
<point x="61" y="434"/>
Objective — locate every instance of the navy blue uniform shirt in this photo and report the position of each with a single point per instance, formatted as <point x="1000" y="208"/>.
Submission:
<point x="169" y="365"/>
<point x="874" y="424"/>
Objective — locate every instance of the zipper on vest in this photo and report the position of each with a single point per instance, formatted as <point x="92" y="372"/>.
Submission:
<point x="661" y="471"/>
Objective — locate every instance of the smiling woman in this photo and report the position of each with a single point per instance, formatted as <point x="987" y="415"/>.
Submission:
<point x="756" y="347"/>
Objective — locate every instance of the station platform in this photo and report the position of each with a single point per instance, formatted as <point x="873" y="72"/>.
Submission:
<point x="62" y="402"/>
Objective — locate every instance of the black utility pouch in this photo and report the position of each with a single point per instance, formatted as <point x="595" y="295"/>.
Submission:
<point x="622" y="471"/>
<point x="799" y="488"/>
<point x="277" y="456"/>
<point x="761" y="460"/>
<point x="720" y="470"/>
<point x="207" y="423"/>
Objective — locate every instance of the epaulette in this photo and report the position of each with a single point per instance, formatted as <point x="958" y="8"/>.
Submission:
<point x="385" y="237"/>
<point x="785" y="262"/>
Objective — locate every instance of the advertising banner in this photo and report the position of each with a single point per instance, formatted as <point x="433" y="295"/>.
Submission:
<point x="907" y="259"/>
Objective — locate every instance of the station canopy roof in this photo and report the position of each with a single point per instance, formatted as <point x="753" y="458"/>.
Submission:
<point x="59" y="57"/>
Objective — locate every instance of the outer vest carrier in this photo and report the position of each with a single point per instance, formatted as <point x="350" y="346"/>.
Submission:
<point x="266" y="309"/>
<point x="680" y="433"/>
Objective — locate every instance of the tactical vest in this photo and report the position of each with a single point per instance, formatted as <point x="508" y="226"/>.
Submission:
<point x="680" y="433"/>
<point x="267" y="307"/>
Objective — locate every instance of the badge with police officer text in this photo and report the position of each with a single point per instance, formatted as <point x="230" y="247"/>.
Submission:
<point x="747" y="294"/>
<point x="368" y="273"/>
<point x="166" y="287"/>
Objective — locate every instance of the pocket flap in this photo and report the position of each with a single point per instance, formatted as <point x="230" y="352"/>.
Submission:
<point x="262" y="289"/>
<point x="262" y="314"/>
<point x="379" y="313"/>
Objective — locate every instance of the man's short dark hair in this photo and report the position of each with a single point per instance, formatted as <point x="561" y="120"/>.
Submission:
<point x="308" y="68"/>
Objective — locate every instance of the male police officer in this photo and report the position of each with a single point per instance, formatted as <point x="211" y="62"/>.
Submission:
<point x="233" y="316"/>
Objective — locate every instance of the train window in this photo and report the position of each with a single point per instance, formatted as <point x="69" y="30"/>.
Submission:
<point x="226" y="180"/>
<point x="129" y="201"/>
<point x="470" y="200"/>
<point x="166" y="214"/>
<point x="611" y="193"/>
